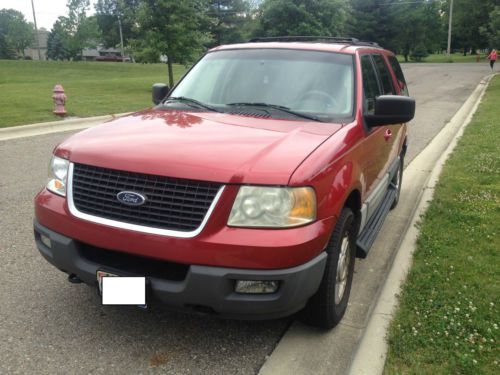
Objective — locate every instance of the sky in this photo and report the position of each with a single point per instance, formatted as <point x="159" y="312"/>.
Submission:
<point x="46" y="11"/>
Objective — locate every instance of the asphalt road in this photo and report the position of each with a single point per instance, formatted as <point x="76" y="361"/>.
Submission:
<point x="49" y="326"/>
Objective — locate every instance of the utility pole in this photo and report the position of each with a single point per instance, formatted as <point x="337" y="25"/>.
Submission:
<point x="448" y="51"/>
<point x="121" y="36"/>
<point x="36" y="32"/>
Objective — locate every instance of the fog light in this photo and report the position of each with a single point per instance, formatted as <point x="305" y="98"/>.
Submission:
<point x="45" y="240"/>
<point x="256" y="287"/>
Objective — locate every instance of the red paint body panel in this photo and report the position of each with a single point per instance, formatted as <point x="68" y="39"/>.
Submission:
<point x="200" y="146"/>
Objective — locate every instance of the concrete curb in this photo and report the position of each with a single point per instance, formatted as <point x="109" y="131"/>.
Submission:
<point x="372" y="350"/>
<point x="55" y="126"/>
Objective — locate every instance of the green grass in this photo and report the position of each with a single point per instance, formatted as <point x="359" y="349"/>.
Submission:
<point x="92" y="88"/>
<point x="443" y="58"/>
<point x="447" y="321"/>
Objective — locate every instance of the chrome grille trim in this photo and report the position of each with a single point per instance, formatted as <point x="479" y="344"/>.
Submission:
<point x="135" y="227"/>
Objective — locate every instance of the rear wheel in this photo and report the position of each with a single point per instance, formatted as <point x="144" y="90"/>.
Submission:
<point x="326" y="308"/>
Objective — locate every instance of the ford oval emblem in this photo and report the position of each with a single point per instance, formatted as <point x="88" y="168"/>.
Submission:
<point x="131" y="198"/>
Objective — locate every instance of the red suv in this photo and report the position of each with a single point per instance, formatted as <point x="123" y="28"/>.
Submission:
<point x="247" y="190"/>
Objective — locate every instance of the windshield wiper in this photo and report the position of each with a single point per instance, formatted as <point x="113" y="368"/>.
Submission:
<point x="192" y="102"/>
<point x="278" y="107"/>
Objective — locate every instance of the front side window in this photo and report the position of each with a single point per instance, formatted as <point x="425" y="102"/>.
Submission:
<point x="309" y="82"/>
<point x="399" y="75"/>
<point x="370" y="84"/>
<point x="384" y="74"/>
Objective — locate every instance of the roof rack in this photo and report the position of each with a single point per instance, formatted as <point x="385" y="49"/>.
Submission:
<point x="319" y="39"/>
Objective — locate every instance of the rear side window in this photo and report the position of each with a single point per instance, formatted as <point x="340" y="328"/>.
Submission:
<point x="384" y="74"/>
<point x="370" y="84"/>
<point x="399" y="75"/>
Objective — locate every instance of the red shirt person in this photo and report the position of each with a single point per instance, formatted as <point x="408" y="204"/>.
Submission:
<point x="493" y="58"/>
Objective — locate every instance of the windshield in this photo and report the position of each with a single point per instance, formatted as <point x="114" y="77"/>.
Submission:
<point x="307" y="82"/>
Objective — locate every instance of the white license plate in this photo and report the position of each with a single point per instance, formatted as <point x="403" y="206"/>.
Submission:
<point x="121" y="290"/>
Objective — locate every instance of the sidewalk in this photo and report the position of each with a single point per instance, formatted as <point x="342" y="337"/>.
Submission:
<point x="22" y="131"/>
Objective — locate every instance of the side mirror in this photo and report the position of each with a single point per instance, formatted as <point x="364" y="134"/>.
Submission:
<point x="391" y="110"/>
<point x="160" y="90"/>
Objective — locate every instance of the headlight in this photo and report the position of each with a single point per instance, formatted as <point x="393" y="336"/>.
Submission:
<point x="273" y="207"/>
<point x="58" y="173"/>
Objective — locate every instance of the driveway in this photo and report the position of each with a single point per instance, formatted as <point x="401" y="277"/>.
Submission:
<point x="50" y="326"/>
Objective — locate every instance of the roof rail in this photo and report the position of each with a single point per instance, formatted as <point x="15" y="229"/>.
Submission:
<point x="320" y="39"/>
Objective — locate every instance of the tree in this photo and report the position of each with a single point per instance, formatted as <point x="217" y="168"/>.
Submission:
<point x="303" y="17"/>
<point x="108" y="14"/>
<point x="172" y="28"/>
<point x="470" y="17"/>
<point x="419" y="52"/>
<point x="17" y="34"/>
<point x="82" y="30"/>
<point x="72" y="34"/>
<point x="491" y="31"/>
<point x="416" y="23"/>
<point x="228" y="20"/>
<point x="58" y="41"/>
<point x="6" y="52"/>
<point x="372" y="20"/>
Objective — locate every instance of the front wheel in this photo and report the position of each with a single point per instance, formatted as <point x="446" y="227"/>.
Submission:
<point x="326" y="308"/>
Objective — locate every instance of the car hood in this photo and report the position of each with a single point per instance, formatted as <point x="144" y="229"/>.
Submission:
<point x="217" y="147"/>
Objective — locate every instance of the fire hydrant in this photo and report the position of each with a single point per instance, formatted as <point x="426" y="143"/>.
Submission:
<point x="59" y="100"/>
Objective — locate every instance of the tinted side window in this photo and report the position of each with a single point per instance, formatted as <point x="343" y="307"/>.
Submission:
<point x="370" y="84"/>
<point x="384" y="74"/>
<point x="399" y="74"/>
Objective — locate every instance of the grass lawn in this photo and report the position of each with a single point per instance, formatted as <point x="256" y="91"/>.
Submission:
<point x="448" y="318"/>
<point x="92" y="88"/>
<point x="443" y="58"/>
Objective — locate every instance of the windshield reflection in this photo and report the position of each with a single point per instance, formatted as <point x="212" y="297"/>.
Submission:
<point x="309" y="82"/>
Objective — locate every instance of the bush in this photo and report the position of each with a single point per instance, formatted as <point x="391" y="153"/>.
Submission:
<point x="419" y="52"/>
<point x="147" y="55"/>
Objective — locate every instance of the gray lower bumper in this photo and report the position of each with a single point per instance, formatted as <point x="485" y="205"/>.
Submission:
<point x="205" y="288"/>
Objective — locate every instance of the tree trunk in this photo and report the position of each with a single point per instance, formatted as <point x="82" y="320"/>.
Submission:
<point x="170" y="73"/>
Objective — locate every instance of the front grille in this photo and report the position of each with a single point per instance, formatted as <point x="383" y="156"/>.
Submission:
<point x="171" y="203"/>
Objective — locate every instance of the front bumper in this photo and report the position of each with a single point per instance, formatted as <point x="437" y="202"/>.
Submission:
<point x="205" y="288"/>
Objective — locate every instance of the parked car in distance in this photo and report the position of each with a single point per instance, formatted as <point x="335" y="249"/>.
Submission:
<point x="250" y="187"/>
<point x="113" y="58"/>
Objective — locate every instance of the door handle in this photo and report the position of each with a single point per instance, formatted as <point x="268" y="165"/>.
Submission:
<point x="388" y="134"/>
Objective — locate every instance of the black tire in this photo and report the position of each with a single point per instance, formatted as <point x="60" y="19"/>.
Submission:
<point x="396" y="182"/>
<point x="325" y="309"/>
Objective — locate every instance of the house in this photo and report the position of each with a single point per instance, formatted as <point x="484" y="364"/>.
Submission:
<point x="32" y="51"/>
